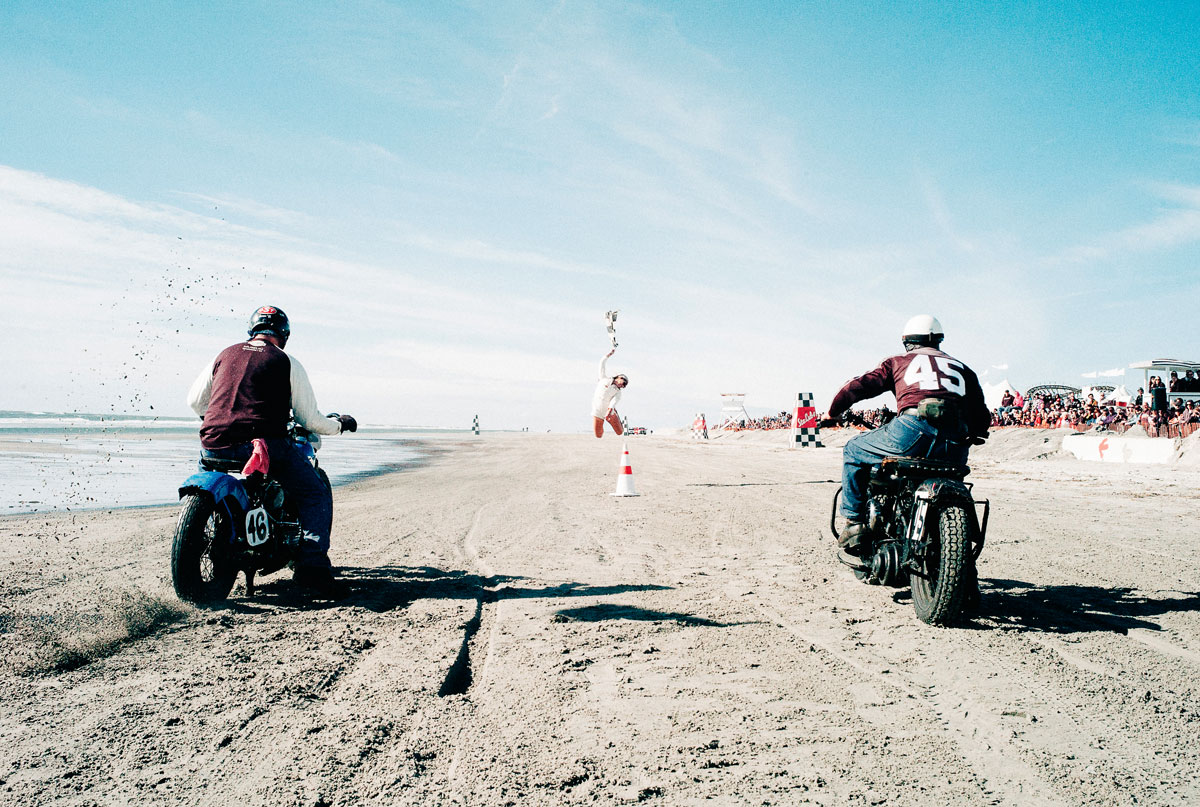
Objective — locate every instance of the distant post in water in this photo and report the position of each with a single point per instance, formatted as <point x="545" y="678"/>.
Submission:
<point x="804" y="422"/>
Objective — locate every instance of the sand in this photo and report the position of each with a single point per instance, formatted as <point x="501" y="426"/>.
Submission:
<point x="515" y="635"/>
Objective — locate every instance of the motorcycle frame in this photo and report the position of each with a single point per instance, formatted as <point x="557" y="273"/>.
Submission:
<point x="928" y="493"/>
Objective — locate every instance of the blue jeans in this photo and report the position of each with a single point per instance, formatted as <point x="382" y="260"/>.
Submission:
<point x="305" y="490"/>
<point x="905" y="436"/>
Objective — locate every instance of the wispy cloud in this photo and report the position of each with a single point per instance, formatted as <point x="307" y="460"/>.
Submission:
<point x="1172" y="227"/>
<point x="128" y="271"/>
<point x="936" y="201"/>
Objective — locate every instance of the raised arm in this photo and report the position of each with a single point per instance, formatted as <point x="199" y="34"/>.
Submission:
<point x="603" y="375"/>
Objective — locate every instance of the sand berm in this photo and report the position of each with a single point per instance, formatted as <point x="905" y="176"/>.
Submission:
<point x="514" y="635"/>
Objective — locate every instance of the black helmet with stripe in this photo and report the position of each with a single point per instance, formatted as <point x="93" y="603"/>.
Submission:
<point x="269" y="319"/>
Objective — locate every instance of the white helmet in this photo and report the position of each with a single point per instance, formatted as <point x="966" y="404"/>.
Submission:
<point x="923" y="330"/>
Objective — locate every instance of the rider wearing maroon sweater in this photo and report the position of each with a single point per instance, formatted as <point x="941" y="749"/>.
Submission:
<point x="251" y="390"/>
<point x="941" y="414"/>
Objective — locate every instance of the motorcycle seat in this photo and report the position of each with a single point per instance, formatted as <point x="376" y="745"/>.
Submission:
<point x="921" y="469"/>
<point x="214" y="464"/>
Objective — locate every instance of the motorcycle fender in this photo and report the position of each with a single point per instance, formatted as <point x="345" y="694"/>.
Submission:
<point x="930" y="491"/>
<point x="218" y="485"/>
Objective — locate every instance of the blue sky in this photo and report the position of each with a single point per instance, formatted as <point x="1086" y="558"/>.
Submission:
<point x="447" y="197"/>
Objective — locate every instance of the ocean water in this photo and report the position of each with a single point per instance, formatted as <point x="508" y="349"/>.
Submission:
<point x="51" y="462"/>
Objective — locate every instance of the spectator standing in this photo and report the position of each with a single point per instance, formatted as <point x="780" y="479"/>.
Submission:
<point x="1158" y="395"/>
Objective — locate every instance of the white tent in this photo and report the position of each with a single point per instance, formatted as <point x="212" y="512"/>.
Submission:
<point x="1119" y="396"/>
<point x="992" y="393"/>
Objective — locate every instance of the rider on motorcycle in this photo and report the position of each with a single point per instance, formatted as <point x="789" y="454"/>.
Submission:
<point x="941" y="414"/>
<point x="247" y="392"/>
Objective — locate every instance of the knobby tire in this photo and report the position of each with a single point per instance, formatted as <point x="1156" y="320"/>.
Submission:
<point x="938" y="597"/>
<point x="200" y="571"/>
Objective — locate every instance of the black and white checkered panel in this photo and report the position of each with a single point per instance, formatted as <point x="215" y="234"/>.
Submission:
<point x="809" y="437"/>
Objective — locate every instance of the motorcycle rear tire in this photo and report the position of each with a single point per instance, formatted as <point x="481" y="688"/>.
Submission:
<point x="200" y="572"/>
<point x="937" y="597"/>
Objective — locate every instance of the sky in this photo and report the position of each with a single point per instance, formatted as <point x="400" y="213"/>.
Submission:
<point x="447" y="197"/>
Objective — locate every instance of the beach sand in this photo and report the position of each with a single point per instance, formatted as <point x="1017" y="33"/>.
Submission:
<point x="515" y="635"/>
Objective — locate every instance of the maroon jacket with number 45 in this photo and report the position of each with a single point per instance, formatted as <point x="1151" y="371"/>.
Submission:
<point x="921" y="373"/>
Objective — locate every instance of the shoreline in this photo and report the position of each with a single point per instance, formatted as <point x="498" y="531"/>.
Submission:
<point x="76" y="462"/>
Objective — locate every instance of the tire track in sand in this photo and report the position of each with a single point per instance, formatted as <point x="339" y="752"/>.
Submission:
<point x="461" y="676"/>
<point x="1009" y="777"/>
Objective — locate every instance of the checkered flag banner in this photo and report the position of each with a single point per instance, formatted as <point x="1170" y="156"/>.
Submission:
<point x="610" y="320"/>
<point x="475" y="425"/>
<point x="804" y="422"/>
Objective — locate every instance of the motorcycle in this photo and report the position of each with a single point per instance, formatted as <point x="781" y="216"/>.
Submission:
<point x="924" y="531"/>
<point x="236" y="518"/>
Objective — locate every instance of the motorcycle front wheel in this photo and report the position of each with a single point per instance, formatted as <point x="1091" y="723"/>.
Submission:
<point x="938" y="590"/>
<point x="201" y="571"/>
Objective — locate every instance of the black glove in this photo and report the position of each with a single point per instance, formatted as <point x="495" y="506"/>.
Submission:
<point x="827" y="423"/>
<point x="978" y="440"/>
<point x="349" y="424"/>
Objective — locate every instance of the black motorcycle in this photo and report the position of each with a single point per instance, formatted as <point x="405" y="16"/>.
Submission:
<point x="924" y="532"/>
<point x="235" y="519"/>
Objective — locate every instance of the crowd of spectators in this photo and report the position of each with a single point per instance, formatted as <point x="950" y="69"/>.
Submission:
<point x="1189" y="382"/>
<point x="781" y="421"/>
<point x="1149" y="410"/>
<point x="874" y="418"/>
<point x="871" y="418"/>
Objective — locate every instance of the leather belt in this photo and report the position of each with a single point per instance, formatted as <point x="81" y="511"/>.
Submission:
<point x="912" y="410"/>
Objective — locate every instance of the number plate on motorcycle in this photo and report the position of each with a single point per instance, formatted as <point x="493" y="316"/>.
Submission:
<point x="258" y="527"/>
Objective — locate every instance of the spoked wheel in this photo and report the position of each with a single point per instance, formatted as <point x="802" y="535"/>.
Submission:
<point x="938" y="590"/>
<point x="202" y="570"/>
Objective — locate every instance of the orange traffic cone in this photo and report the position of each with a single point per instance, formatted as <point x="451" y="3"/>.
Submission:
<point x="625" y="478"/>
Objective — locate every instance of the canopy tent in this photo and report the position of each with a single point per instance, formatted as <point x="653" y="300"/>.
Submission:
<point x="992" y="393"/>
<point x="1097" y="391"/>
<point x="1119" y="395"/>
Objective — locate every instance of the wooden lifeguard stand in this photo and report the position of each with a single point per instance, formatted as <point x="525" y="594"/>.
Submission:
<point x="733" y="410"/>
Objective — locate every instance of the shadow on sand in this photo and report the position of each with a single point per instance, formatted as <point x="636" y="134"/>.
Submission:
<point x="386" y="588"/>
<point x="1077" y="609"/>
<point x="606" y="611"/>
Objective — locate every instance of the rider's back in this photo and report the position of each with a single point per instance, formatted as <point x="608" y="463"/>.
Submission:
<point x="916" y="375"/>
<point x="251" y="395"/>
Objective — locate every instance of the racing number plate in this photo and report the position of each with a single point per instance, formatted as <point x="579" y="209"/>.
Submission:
<point x="258" y="527"/>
